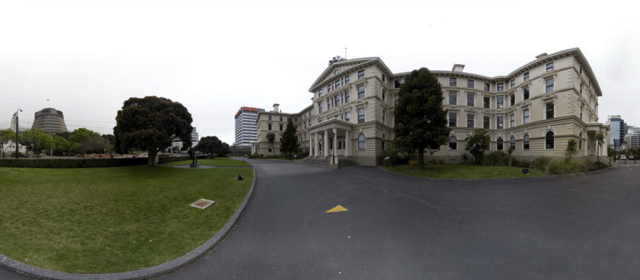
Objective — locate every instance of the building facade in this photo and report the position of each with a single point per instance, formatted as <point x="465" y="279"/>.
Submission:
<point x="49" y="120"/>
<point x="618" y="131"/>
<point x="535" y="109"/>
<point x="246" y="130"/>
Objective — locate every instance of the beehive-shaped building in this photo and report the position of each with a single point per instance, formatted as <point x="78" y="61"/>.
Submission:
<point x="49" y="120"/>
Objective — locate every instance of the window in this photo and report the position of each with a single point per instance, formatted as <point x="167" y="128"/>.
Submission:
<point x="549" y="66"/>
<point x="336" y="100"/>
<point x="347" y="116"/>
<point x="487" y="102"/>
<point x="486" y="122"/>
<point x="269" y="126"/>
<point x="500" y="86"/>
<point x="512" y="143"/>
<point x="360" y="115"/>
<point x="526" y="76"/>
<point x="320" y="93"/>
<point x="513" y="83"/>
<point x="525" y="116"/>
<point x="453" y="143"/>
<point x="397" y="84"/>
<point x="336" y="84"/>
<point x="581" y="109"/>
<point x="471" y="99"/>
<point x="360" y="92"/>
<point x="320" y="107"/>
<point x="328" y="103"/>
<point x="500" y="102"/>
<point x="453" y="82"/>
<point x="346" y="97"/>
<point x="361" y="142"/>
<point x="384" y="94"/>
<point x="269" y="117"/>
<point x="395" y="99"/>
<point x="453" y="97"/>
<point x="580" y="135"/>
<point x="453" y="119"/>
<point x="346" y="79"/>
<point x="525" y="142"/>
<point x="280" y="127"/>
<point x="500" y="144"/>
<point x="512" y="120"/>
<point x="548" y="140"/>
<point x="500" y="122"/>
<point x="487" y="86"/>
<point x="280" y="117"/>
<point x="549" y="83"/>
<point x="360" y="74"/>
<point x="328" y="87"/>
<point x="384" y="141"/>
<point x="580" y="88"/>
<point x="512" y="99"/>
<point x="549" y="110"/>
<point x="580" y="69"/>
<point x="384" y="117"/>
<point x="471" y="83"/>
<point x="384" y="78"/>
<point x="470" y="120"/>
<point x="525" y="93"/>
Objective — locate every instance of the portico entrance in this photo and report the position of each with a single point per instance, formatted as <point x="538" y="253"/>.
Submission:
<point x="330" y="138"/>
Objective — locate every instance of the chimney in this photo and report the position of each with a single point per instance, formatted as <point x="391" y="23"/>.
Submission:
<point x="541" y="55"/>
<point x="275" y="107"/>
<point x="457" y="68"/>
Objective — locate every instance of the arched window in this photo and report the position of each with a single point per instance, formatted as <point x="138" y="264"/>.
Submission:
<point x="525" y="142"/>
<point x="453" y="143"/>
<point x="361" y="142"/>
<point x="512" y="143"/>
<point x="580" y="141"/>
<point x="383" y="143"/>
<point x="548" y="139"/>
<point x="500" y="143"/>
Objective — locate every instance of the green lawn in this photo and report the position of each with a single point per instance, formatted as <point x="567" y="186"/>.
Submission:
<point x="213" y="162"/>
<point x="100" y="220"/>
<point x="465" y="171"/>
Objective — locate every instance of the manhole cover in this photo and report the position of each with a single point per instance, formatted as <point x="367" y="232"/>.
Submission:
<point x="202" y="203"/>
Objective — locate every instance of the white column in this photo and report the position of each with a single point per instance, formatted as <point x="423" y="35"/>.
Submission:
<point x="325" y="147"/>
<point x="347" y="143"/>
<point x="315" y="148"/>
<point x="335" y="141"/>
<point x="310" y="145"/>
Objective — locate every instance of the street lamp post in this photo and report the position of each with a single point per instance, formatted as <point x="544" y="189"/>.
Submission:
<point x="17" y="132"/>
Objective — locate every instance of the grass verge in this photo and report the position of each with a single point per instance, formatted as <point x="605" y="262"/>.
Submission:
<point x="464" y="171"/>
<point x="220" y="162"/>
<point x="101" y="220"/>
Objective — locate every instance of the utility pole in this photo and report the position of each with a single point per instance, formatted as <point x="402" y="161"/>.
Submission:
<point x="17" y="132"/>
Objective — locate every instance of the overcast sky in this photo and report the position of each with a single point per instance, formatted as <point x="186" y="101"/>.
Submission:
<point x="87" y="59"/>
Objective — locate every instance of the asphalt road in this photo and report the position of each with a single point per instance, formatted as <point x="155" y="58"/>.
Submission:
<point x="400" y="227"/>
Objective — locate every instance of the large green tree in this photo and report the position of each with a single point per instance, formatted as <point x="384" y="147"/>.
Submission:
<point x="420" y="120"/>
<point x="212" y="146"/>
<point x="35" y="140"/>
<point x="289" y="143"/>
<point x="150" y="124"/>
<point x="477" y="144"/>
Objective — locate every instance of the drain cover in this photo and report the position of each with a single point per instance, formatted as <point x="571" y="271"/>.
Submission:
<point x="202" y="203"/>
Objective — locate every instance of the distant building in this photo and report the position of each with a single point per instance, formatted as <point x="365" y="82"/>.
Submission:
<point x="632" y="139"/>
<point x="618" y="131"/>
<point x="50" y="120"/>
<point x="246" y="130"/>
<point x="177" y="142"/>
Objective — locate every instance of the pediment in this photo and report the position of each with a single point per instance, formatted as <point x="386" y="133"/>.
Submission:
<point x="339" y="68"/>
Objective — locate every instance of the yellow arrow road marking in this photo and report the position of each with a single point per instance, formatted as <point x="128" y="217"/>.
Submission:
<point x="338" y="208"/>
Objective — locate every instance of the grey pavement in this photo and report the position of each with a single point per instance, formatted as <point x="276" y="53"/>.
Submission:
<point x="401" y="227"/>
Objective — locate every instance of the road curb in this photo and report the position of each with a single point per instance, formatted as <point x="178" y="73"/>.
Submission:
<point x="146" y="273"/>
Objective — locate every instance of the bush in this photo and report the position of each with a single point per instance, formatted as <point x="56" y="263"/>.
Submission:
<point x="567" y="167"/>
<point x="523" y="164"/>
<point x="442" y="161"/>
<point x="255" y="156"/>
<point x="541" y="163"/>
<point x="413" y="162"/>
<point x="497" y="158"/>
<point x="515" y="161"/>
<point x="396" y="157"/>
<point x="598" y="165"/>
<point x="303" y="155"/>
<point x="72" y="163"/>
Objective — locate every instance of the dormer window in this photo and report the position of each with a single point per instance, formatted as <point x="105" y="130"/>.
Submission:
<point x="550" y="66"/>
<point x="336" y="72"/>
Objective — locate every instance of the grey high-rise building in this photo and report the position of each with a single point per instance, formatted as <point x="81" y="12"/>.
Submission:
<point x="50" y="120"/>
<point x="617" y="132"/>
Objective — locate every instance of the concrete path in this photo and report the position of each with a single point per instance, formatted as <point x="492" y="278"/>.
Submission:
<point x="400" y="227"/>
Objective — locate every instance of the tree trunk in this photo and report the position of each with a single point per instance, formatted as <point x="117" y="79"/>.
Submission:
<point x="152" y="157"/>
<point x="420" y="158"/>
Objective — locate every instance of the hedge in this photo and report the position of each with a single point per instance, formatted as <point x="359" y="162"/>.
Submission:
<point x="72" y="163"/>
<point x="162" y="160"/>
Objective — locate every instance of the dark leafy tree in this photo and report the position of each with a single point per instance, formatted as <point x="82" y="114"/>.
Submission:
<point x="420" y="120"/>
<point x="35" y="141"/>
<point x="212" y="146"/>
<point x="477" y="144"/>
<point x="271" y="138"/>
<point x="86" y="138"/>
<point x="6" y="136"/>
<point x="150" y="124"/>
<point x="289" y="142"/>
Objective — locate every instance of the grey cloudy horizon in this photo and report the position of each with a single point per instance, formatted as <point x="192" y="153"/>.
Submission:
<point x="88" y="58"/>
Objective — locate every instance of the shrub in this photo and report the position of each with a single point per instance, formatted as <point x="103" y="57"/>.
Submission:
<point x="413" y="162"/>
<point x="442" y="161"/>
<point x="497" y="158"/>
<point x="396" y="157"/>
<point x="72" y="163"/>
<point x="567" y="167"/>
<point x="541" y="163"/>
<point x="523" y="164"/>
<point x="515" y="161"/>
<point x="598" y="165"/>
